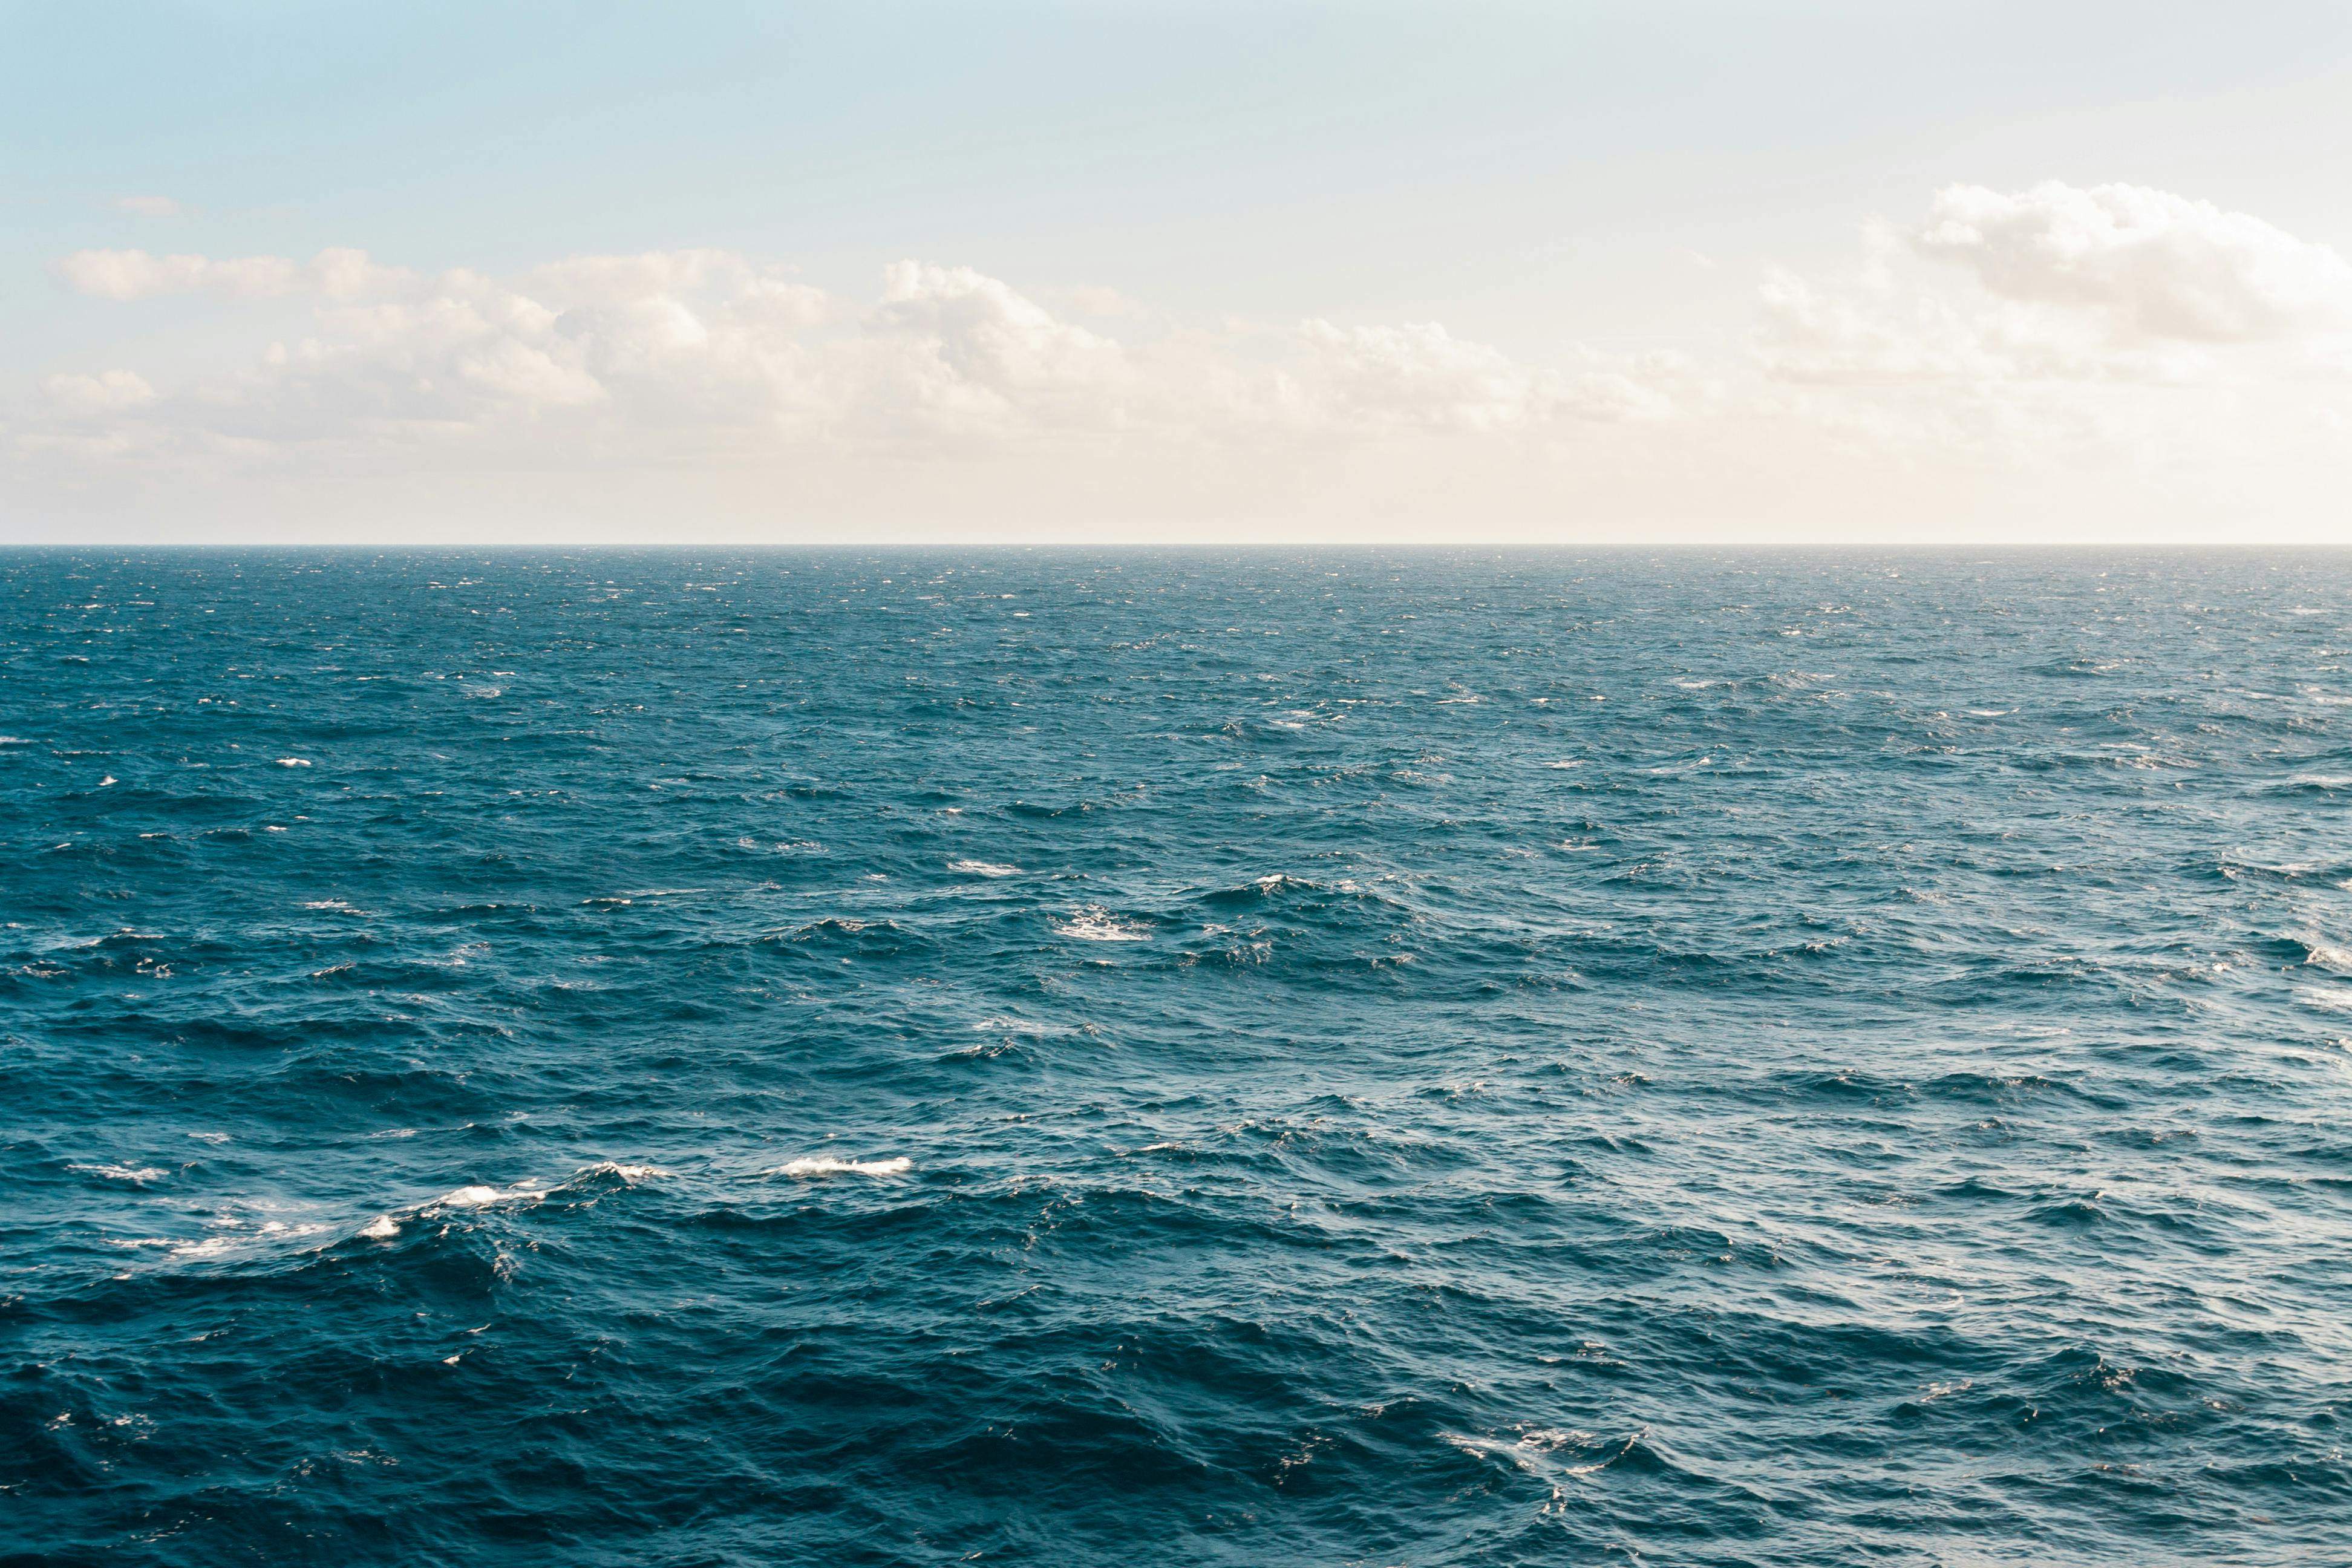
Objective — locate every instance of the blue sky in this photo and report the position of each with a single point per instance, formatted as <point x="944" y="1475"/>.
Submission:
<point x="1577" y="191"/>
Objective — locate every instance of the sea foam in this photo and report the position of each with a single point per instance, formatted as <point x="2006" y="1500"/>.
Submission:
<point x="830" y="1165"/>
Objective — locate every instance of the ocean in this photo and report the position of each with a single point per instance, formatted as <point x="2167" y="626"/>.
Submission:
<point x="717" y="1059"/>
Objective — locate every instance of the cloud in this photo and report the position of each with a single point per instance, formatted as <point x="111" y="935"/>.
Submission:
<point x="149" y="206"/>
<point x="83" y="396"/>
<point x="660" y="349"/>
<point x="1096" y="300"/>
<point x="954" y="350"/>
<point x="2058" y="287"/>
<point x="2112" y="331"/>
<point x="2114" y="328"/>
<point x="125" y="275"/>
<point x="2155" y="265"/>
<point x="1882" y="330"/>
<point x="1421" y="378"/>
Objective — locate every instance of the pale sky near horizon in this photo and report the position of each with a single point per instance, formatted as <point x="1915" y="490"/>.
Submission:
<point x="1175" y="273"/>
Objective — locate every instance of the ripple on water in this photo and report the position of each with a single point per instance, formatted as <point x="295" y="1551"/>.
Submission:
<point x="771" y="1057"/>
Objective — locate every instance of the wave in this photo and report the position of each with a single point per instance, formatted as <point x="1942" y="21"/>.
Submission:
<point x="140" y="1175"/>
<point x="1092" y="923"/>
<point x="832" y="1165"/>
<point x="2326" y="955"/>
<point x="1439" y="1126"/>
<point x="1006" y="1025"/>
<point x="531" y="1190"/>
<point x="482" y="1197"/>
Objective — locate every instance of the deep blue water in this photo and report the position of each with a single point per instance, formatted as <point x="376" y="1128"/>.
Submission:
<point x="1048" y="1058"/>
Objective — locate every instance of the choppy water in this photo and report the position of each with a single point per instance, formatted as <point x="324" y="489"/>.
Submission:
<point x="609" y="1059"/>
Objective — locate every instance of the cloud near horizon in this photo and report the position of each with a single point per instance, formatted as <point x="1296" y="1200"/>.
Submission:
<point x="2111" y="329"/>
<point x="149" y="206"/>
<point x="710" y="344"/>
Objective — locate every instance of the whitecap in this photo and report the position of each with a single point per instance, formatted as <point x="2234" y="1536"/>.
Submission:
<point x="467" y="1198"/>
<point x="383" y="1227"/>
<point x="983" y="868"/>
<point x="832" y="1165"/>
<point x="1002" y="1025"/>
<point x="627" y="1173"/>
<point x="482" y="1197"/>
<point x="531" y="1190"/>
<point x="1095" y="923"/>
<point x="293" y="762"/>
<point x="124" y="1173"/>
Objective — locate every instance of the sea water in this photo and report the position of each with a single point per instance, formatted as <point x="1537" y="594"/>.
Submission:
<point x="1067" y="1058"/>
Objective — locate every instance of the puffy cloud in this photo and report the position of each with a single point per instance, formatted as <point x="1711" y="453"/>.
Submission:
<point x="696" y="345"/>
<point x="659" y="274"/>
<point x="2004" y="336"/>
<point x="2052" y="286"/>
<point x="1094" y="299"/>
<point x="1421" y="378"/>
<point x="136" y="275"/>
<point x="2057" y="326"/>
<point x="1876" y="331"/>
<point x="2157" y="264"/>
<point x="107" y="392"/>
<point x="952" y="350"/>
<point x="518" y="375"/>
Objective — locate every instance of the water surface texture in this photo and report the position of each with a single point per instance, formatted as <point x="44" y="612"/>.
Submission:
<point x="1047" y="1059"/>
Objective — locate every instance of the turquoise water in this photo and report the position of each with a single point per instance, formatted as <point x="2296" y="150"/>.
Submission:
<point x="1056" y="1058"/>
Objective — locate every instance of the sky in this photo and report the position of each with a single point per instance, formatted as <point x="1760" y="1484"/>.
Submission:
<point x="1722" y="273"/>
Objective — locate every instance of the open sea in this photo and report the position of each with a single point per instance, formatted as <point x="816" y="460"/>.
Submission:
<point x="700" y="1059"/>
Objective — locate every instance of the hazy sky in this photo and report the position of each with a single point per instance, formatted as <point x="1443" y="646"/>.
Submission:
<point x="1892" y="272"/>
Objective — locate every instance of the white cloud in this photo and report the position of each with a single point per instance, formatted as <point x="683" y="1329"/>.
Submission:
<point x="82" y="396"/>
<point x="952" y="350"/>
<point x="1880" y="329"/>
<point x="136" y="275"/>
<point x="1421" y="378"/>
<point x="2126" y="335"/>
<point x="1096" y="300"/>
<point x="2057" y="288"/>
<point x="689" y="346"/>
<point x="516" y="374"/>
<point x="2156" y="265"/>
<point x="2060" y="324"/>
